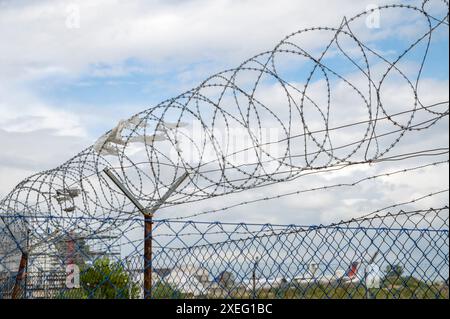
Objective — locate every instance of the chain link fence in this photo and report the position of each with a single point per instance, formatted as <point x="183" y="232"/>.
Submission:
<point x="290" y="112"/>
<point x="395" y="256"/>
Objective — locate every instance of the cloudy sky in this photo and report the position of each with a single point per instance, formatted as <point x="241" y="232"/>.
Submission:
<point x="70" y="70"/>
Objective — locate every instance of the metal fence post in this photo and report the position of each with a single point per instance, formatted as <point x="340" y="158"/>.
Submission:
<point x="148" y="225"/>
<point x="148" y="243"/>
<point x="255" y="266"/>
<point x="20" y="275"/>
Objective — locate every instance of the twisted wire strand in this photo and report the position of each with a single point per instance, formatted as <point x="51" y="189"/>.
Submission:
<point x="308" y="116"/>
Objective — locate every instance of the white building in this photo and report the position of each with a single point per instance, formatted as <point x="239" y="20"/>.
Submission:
<point x="189" y="280"/>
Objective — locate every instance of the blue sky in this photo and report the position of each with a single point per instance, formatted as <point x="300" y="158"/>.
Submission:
<point x="139" y="83"/>
<point x="62" y="85"/>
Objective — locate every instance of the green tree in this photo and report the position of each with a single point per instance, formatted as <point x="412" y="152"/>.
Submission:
<point x="394" y="274"/>
<point x="166" y="291"/>
<point x="104" y="280"/>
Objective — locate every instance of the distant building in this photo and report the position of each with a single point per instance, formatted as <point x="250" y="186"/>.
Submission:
<point x="12" y="237"/>
<point x="48" y="261"/>
<point x="189" y="280"/>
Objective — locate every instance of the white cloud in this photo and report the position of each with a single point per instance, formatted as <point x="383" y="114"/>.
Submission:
<point x="113" y="31"/>
<point x="25" y="153"/>
<point x="37" y="134"/>
<point x="23" y="112"/>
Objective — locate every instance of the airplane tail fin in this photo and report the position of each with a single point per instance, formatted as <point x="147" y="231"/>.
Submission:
<point x="352" y="271"/>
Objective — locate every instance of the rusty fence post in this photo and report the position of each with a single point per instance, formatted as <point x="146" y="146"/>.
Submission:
<point x="148" y="242"/>
<point x="148" y="225"/>
<point x="21" y="274"/>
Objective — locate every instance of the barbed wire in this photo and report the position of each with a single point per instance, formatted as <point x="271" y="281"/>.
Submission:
<point x="224" y="102"/>
<point x="298" y="192"/>
<point x="294" y="111"/>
